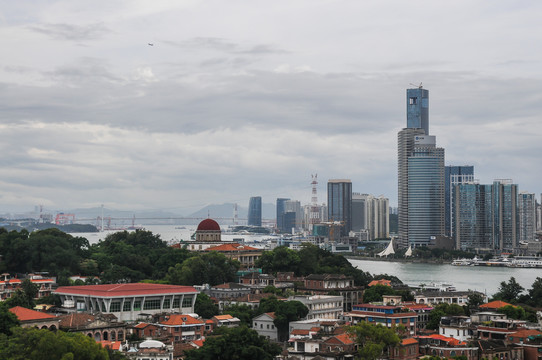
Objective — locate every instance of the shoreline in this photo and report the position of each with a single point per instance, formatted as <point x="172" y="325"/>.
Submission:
<point x="414" y="261"/>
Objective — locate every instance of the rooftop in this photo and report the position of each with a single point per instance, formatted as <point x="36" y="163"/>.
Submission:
<point x="24" y="314"/>
<point x="119" y="290"/>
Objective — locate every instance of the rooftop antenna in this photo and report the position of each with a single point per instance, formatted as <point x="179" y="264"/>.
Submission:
<point x="420" y="86"/>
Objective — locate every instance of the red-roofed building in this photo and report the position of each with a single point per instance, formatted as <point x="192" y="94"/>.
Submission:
<point x="181" y="327"/>
<point x="383" y="282"/>
<point x="32" y="318"/>
<point x="145" y="330"/>
<point x="446" y="347"/>
<point x="246" y="255"/>
<point x="9" y="286"/>
<point x="113" y="345"/>
<point x="343" y="343"/>
<point x="128" y="301"/>
<point x="494" y="305"/>
<point x="99" y="327"/>
<point x="406" y="350"/>
<point x="225" y="320"/>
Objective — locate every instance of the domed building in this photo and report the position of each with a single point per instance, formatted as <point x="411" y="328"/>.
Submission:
<point x="208" y="230"/>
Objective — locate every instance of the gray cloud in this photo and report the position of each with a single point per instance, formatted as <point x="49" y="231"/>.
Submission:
<point x="72" y="32"/>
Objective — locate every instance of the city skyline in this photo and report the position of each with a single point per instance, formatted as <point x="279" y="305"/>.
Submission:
<point x="224" y="107"/>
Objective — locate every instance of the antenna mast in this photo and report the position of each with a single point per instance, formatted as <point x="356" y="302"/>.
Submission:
<point x="314" y="216"/>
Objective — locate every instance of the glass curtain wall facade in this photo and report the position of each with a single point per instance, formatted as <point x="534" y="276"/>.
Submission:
<point x="454" y="175"/>
<point x="425" y="195"/>
<point x="527" y="216"/>
<point x="339" y="202"/>
<point x="280" y="213"/>
<point x="255" y="211"/>
<point x="418" y="109"/>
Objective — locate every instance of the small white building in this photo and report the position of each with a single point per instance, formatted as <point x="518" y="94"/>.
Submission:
<point x="264" y="326"/>
<point x="321" y="306"/>
<point x="456" y="327"/>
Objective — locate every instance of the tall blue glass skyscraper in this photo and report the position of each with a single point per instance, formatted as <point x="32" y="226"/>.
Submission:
<point x="420" y="171"/>
<point x="418" y="109"/>
<point x="339" y="202"/>
<point x="280" y="213"/>
<point x="255" y="211"/>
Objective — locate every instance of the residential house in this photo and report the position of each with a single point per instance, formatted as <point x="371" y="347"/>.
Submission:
<point x="321" y="306"/>
<point x="446" y="347"/>
<point x="182" y="327"/>
<point x="35" y="319"/>
<point x="225" y="320"/>
<point x="385" y="315"/>
<point x="99" y="327"/>
<point x="458" y="327"/>
<point x="499" y="329"/>
<point x="264" y="326"/>
<point x="407" y="349"/>
<point x="324" y="284"/>
<point x="257" y="280"/>
<point x="246" y="255"/>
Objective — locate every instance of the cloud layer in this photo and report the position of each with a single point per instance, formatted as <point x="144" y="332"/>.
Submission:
<point x="236" y="99"/>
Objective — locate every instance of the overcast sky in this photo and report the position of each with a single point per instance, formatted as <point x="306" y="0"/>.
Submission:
<point x="245" y="98"/>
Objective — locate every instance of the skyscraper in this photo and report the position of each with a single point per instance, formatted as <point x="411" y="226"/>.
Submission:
<point x="418" y="109"/>
<point x="339" y="202"/>
<point x="255" y="211"/>
<point x="372" y="214"/>
<point x="454" y="175"/>
<point x="527" y="216"/>
<point x="486" y="216"/>
<point x="420" y="175"/>
<point x="425" y="191"/>
<point x="280" y="212"/>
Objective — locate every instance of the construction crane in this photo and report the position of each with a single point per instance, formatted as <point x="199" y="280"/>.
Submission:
<point x="420" y="86"/>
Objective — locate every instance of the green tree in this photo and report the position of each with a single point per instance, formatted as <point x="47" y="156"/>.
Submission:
<point x="34" y="344"/>
<point x="240" y="343"/>
<point x="373" y="340"/>
<point x="285" y="312"/>
<point x="280" y="259"/>
<point x="509" y="291"/>
<point x="8" y="319"/>
<point x="243" y="312"/>
<point x="211" y="268"/>
<point x="24" y="296"/>
<point x="374" y="293"/>
<point x="441" y="310"/>
<point x="205" y="307"/>
<point x="475" y="299"/>
<point x="513" y="312"/>
<point x="535" y="293"/>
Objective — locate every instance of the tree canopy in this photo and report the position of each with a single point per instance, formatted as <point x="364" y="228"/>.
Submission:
<point x="509" y="291"/>
<point x="373" y="340"/>
<point x="235" y="343"/>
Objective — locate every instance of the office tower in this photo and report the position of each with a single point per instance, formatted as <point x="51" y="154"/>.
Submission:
<point x="280" y="212"/>
<point x="418" y="109"/>
<point x="288" y="222"/>
<point x="486" y="216"/>
<point x="339" y="202"/>
<point x="359" y="211"/>
<point x="420" y="175"/>
<point x="454" y="175"/>
<point x="382" y="215"/>
<point x="425" y="191"/>
<point x="405" y="147"/>
<point x="255" y="211"/>
<point x="527" y="216"/>
<point x="539" y="215"/>
<point x="294" y="206"/>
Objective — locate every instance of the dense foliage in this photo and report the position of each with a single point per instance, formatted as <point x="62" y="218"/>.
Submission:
<point x="373" y="340"/>
<point x="509" y="291"/>
<point x="34" y="344"/>
<point x="310" y="260"/>
<point x="441" y="310"/>
<point x="285" y="311"/>
<point x="235" y="343"/>
<point x="205" y="307"/>
<point x="7" y="319"/>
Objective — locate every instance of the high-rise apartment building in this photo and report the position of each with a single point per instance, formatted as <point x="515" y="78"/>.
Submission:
<point x="539" y="215"/>
<point x="420" y="175"/>
<point x="454" y="175"/>
<point x="280" y="212"/>
<point x="486" y="216"/>
<point x="371" y="214"/>
<point x="527" y="216"/>
<point x="255" y="211"/>
<point x="339" y="202"/>
<point x="294" y="206"/>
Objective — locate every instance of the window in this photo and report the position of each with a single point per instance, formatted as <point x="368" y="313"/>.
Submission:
<point x="187" y="301"/>
<point x="167" y="302"/>
<point x="137" y="305"/>
<point x="127" y="306"/>
<point x="151" y="304"/>
<point x="267" y="326"/>
<point x="115" y="306"/>
<point x="413" y="100"/>
<point x="176" y="302"/>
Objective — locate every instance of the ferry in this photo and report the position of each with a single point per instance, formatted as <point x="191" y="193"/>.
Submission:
<point x="518" y="262"/>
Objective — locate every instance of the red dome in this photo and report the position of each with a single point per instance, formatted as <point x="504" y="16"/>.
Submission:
<point x="208" y="225"/>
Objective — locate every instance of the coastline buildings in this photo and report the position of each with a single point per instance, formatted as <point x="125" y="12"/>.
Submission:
<point x="255" y="211"/>
<point x="454" y="175"/>
<point x="421" y="189"/>
<point x="527" y="216"/>
<point x="339" y="200"/>
<point x="486" y="216"/>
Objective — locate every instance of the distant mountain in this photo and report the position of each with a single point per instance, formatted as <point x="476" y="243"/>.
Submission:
<point x="225" y="211"/>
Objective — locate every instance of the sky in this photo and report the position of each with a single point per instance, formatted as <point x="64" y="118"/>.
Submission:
<point x="175" y="105"/>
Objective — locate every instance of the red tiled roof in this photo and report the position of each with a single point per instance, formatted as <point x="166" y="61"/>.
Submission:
<point x="208" y="225"/>
<point x="142" y="325"/>
<point x="231" y="247"/>
<point x="449" y="340"/>
<point x="181" y="319"/>
<point x="24" y="314"/>
<point x="113" y="345"/>
<point x="380" y="282"/>
<point x="343" y="338"/>
<point x="382" y="315"/>
<point x="134" y="289"/>
<point x="76" y="320"/>
<point x="223" y="317"/>
<point x="300" y="332"/>
<point x="494" y="305"/>
<point x="271" y="314"/>
<point x="409" y="341"/>
<point x="525" y="333"/>
<point x="198" y="343"/>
